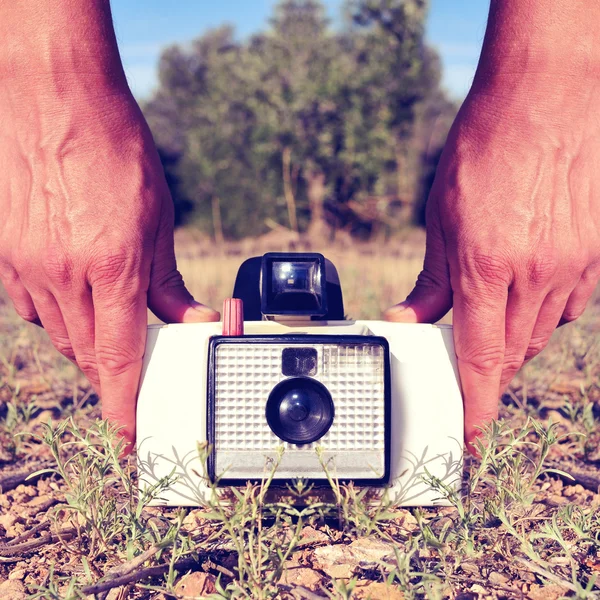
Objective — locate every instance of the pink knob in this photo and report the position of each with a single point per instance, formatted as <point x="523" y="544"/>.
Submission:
<point x="233" y="317"/>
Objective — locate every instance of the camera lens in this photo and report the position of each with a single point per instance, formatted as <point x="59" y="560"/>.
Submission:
<point x="300" y="410"/>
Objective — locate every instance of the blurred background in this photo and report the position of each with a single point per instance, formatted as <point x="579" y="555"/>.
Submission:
<point x="312" y="122"/>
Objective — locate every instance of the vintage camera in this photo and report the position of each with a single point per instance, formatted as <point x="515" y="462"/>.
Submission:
<point x="381" y="401"/>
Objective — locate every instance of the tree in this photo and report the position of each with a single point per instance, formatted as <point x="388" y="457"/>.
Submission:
<point x="302" y="125"/>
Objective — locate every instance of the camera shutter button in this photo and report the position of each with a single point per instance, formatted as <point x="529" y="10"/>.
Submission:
<point x="233" y="317"/>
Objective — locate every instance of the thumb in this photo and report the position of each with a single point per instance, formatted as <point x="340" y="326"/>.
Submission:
<point x="168" y="298"/>
<point x="431" y="298"/>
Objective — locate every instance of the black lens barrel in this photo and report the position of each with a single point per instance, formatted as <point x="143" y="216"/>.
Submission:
<point x="300" y="410"/>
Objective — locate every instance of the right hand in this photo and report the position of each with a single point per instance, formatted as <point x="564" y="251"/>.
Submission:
<point x="513" y="233"/>
<point x="86" y="234"/>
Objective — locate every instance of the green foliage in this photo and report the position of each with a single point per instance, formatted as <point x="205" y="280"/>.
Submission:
<point x="304" y="125"/>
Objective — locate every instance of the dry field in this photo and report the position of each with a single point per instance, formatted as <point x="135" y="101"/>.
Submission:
<point x="527" y="524"/>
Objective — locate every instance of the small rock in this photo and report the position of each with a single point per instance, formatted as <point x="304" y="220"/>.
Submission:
<point x="12" y="590"/>
<point x="303" y="576"/>
<point x="556" y="500"/>
<point x="40" y="500"/>
<point x="339" y="561"/>
<point x="310" y="535"/>
<point x="496" y="578"/>
<point x="573" y="490"/>
<point x="116" y="594"/>
<point x="16" y="574"/>
<point x="406" y="520"/>
<point x="193" y="520"/>
<point x="378" y="591"/>
<point x="23" y="493"/>
<point x="478" y="589"/>
<point x="8" y="520"/>
<point x="196" y="584"/>
<point x="470" y="568"/>
<point x="547" y="592"/>
<point x="370" y="550"/>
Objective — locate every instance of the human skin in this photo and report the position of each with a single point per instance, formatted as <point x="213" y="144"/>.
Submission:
<point x="86" y="219"/>
<point x="513" y="238"/>
<point x="86" y="237"/>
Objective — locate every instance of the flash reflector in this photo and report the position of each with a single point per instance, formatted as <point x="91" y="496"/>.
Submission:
<point x="253" y="407"/>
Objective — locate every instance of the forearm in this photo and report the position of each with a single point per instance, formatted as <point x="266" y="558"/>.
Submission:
<point x="546" y="41"/>
<point x="58" y="46"/>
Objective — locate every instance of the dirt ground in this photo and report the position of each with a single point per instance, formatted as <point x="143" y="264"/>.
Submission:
<point x="526" y="526"/>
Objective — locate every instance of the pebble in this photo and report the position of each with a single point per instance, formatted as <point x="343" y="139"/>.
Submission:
<point x="12" y="590"/>
<point x="303" y="576"/>
<point x="196" y="584"/>
<point x="377" y="591"/>
<point x="496" y="578"/>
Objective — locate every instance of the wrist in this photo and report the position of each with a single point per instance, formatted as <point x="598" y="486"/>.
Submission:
<point x="49" y="47"/>
<point x="527" y="49"/>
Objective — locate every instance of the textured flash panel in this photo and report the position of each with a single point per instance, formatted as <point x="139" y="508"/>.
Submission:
<point x="246" y="374"/>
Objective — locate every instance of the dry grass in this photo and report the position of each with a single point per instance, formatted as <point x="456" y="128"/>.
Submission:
<point x="521" y="529"/>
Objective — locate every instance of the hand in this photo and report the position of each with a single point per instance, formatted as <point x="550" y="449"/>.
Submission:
<point x="86" y="234"/>
<point x="513" y="233"/>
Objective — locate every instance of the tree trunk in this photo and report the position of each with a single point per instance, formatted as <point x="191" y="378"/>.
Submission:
<point x="288" y="189"/>
<point x="318" y="229"/>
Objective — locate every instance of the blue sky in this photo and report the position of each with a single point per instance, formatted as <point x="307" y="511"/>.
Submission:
<point x="455" y="28"/>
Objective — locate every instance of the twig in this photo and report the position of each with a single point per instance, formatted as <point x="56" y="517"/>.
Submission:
<point x="531" y="566"/>
<point x="47" y="538"/>
<point x="131" y="565"/>
<point x="25" y="536"/>
<point x="126" y="568"/>
<point x="209" y="564"/>
<point x="586" y="479"/>
<point x="155" y="571"/>
<point x="10" y="482"/>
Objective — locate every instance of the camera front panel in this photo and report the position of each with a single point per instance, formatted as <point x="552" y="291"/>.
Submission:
<point x="299" y="392"/>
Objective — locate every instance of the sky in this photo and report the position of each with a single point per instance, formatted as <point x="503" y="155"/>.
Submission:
<point x="454" y="27"/>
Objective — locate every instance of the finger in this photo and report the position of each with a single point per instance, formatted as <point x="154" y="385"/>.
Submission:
<point x="53" y="322"/>
<point x="168" y="298"/>
<point x="431" y="297"/>
<point x="78" y="314"/>
<point x="479" y="337"/>
<point x="522" y="313"/>
<point x="580" y="296"/>
<point x="19" y="295"/>
<point x="120" y="318"/>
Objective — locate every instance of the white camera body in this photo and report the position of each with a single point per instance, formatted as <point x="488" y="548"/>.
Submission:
<point x="422" y="428"/>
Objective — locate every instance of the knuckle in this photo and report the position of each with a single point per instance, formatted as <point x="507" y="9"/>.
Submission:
<point x="108" y="268"/>
<point x="63" y="345"/>
<point x="116" y="361"/>
<point x="489" y="266"/>
<point x="87" y="365"/>
<point x="512" y="365"/>
<point x="484" y="360"/>
<point x="541" y="270"/>
<point x="534" y="348"/>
